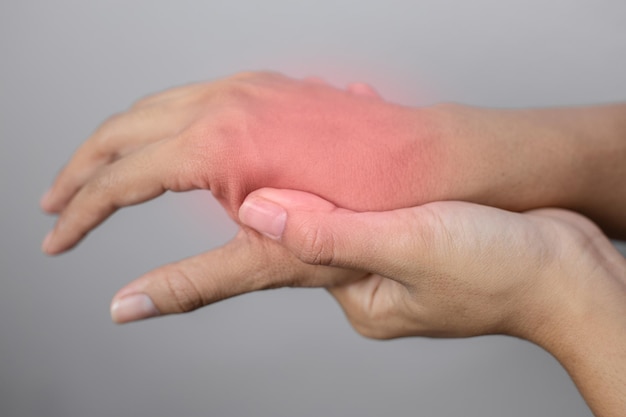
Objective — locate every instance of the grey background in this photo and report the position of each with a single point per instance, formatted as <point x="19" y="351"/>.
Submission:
<point x="66" y="65"/>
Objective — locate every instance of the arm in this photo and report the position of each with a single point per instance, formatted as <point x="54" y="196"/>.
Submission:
<point x="572" y="158"/>
<point x="604" y="153"/>
<point x="590" y="340"/>
<point x="257" y="130"/>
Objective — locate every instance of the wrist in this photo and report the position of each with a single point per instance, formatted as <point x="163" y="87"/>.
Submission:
<point x="571" y="157"/>
<point x="581" y="320"/>
<point x="601" y="138"/>
<point x="522" y="159"/>
<point x="515" y="159"/>
<point x="590" y="346"/>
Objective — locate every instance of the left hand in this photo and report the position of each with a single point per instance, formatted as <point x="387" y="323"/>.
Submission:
<point x="233" y="136"/>
<point x="352" y="148"/>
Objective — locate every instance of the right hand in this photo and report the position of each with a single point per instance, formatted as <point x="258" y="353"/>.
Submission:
<point x="450" y="269"/>
<point x="455" y="269"/>
<point x="445" y="269"/>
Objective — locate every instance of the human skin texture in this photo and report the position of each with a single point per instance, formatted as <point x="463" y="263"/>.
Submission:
<point x="444" y="269"/>
<point x="448" y="269"/>
<point x="350" y="147"/>
<point x="455" y="269"/>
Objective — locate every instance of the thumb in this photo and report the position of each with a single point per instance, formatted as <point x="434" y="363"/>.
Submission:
<point x="320" y="233"/>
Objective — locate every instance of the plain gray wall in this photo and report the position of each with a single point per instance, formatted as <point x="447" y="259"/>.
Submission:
<point x="66" y="65"/>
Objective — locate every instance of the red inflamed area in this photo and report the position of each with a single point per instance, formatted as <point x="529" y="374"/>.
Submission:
<point x="347" y="146"/>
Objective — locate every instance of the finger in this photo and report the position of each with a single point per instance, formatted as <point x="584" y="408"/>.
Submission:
<point x="139" y="177"/>
<point x="247" y="263"/>
<point x="362" y="89"/>
<point x="318" y="232"/>
<point x="117" y="137"/>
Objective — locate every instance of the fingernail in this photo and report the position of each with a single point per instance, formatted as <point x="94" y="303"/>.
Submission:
<point x="264" y="216"/>
<point x="133" y="307"/>
<point x="46" y="242"/>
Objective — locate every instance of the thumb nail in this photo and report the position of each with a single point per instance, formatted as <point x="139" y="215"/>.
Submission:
<point x="133" y="307"/>
<point x="264" y="216"/>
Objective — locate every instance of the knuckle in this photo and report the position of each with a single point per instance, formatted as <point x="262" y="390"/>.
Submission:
<point x="218" y="134"/>
<point x="105" y="133"/>
<point x="245" y="75"/>
<point x="102" y="184"/>
<point x="239" y="92"/>
<point x="182" y="290"/>
<point x="245" y="88"/>
<point x="317" y="244"/>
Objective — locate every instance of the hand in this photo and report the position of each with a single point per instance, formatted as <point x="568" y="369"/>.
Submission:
<point x="454" y="269"/>
<point x="445" y="269"/>
<point x="450" y="269"/>
<point x="257" y="129"/>
<point x="234" y="136"/>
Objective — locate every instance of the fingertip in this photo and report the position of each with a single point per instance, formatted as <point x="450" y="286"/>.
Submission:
<point x="52" y="202"/>
<point x="132" y="308"/>
<point x="46" y="202"/>
<point x="46" y="245"/>
<point x="52" y="246"/>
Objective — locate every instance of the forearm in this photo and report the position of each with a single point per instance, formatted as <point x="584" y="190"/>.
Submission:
<point x="603" y="160"/>
<point x="572" y="158"/>
<point x="589" y="340"/>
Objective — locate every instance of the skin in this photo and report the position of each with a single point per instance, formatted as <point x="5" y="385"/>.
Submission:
<point x="455" y="269"/>
<point x="360" y="153"/>
<point x="350" y="147"/>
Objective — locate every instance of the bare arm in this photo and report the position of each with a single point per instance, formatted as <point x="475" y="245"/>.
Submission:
<point x="590" y="339"/>
<point x="570" y="157"/>
<point x="251" y="131"/>
<point x="242" y="134"/>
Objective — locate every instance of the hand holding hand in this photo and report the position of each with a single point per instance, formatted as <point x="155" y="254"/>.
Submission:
<point x="445" y="269"/>
<point x="441" y="269"/>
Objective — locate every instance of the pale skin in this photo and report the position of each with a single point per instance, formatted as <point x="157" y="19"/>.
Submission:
<point x="451" y="269"/>
<point x="455" y="269"/>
